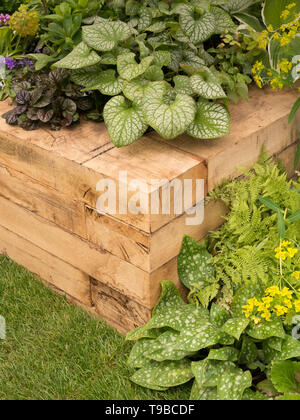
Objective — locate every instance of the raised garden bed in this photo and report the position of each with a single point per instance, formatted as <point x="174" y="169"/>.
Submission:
<point x="113" y="265"/>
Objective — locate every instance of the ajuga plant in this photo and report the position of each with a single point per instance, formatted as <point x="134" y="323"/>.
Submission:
<point x="151" y="57"/>
<point x="237" y="338"/>
<point x="49" y="98"/>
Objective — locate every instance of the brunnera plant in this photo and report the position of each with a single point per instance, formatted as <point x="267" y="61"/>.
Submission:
<point x="152" y="62"/>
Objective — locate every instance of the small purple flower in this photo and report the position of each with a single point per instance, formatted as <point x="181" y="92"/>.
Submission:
<point x="37" y="51"/>
<point x="11" y="63"/>
<point x="4" y="19"/>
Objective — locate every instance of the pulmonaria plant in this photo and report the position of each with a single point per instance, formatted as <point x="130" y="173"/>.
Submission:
<point x="152" y="60"/>
<point x="47" y="98"/>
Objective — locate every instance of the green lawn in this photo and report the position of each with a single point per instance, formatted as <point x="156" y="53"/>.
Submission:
<point x="54" y="350"/>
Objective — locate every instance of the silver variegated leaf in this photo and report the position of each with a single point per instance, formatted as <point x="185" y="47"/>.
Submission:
<point x="234" y="6"/>
<point x="205" y="84"/>
<point x="129" y="69"/>
<point x="82" y="56"/>
<point x="212" y="121"/>
<point x="232" y="384"/>
<point x="207" y="372"/>
<point x="223" y="20"/>
<point x="107" y="83"/>
<point x="86" y="77"/>
<point x="125" y="121"/>
<point x="197" y="29"/>
<point x="106" y="35"/>
<point x="169" y="118"/>
<point x="135" y="90"/>
<point x="235" y="327"/>
<point x="183" y="85"/>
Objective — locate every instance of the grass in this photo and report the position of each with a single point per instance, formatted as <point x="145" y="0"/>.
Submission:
<point x="56" y="351"/>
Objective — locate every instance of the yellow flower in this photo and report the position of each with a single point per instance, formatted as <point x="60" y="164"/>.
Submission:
<point x="284" y="40"/>
<point x="291" y="5"/>
<point x="270" y="28"/>
<point x="276" y="35"/>
<point x="285" y="66"/>
<point x="286" y="243"/>
<point x="280" y="255"/>
<point x="262" y="307"/>
<point x="280" y="310"/>
<point x="285" y="14"/>
<point x="267" y="301"/>
<point x="296" y="274"/>
<point x="272" y="291"/>
<point x="255" y="319"/>
<point x="285" y="292"/>
<point x="287" y="303"/>
<point x="297" y="305"/>
<point x="292" y="252"/>
<point x="266" y="315"/>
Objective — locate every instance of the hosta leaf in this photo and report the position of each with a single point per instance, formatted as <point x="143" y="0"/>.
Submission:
<point x="212" y="121"/>
<point x="283" y="375"/>
<point x="169" y="117"/>
<point x="194" y="263"/>
<point x="135" y="90"/>
<point x="207" y="372"/>
<point x="82" y="56"/>
<point x="218" y="315"/>
<point x="290" y="348"/>
<point x="235" y="327"/>
<point x="88" y="76"/>
<point x="232" y="384"/>
<point x="129" y="69"/>
<point x="267" y="329"/>
<point x="106" y="35"/>
<point x="125" y="121"/>
<point x="205" y="85"/>
<point x="197" y="338"/>
<point x="183" y="85"/>
<point x="198" y="29"/>
<point x="224" y="353"/>
<point x="107" y="83"/>
<point x="223" y="21"/>
<point x="249" y="352"/>
<point x="164" y="348"/>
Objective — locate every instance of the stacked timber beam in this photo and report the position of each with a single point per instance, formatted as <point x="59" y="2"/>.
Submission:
<point x="113" y="264"/>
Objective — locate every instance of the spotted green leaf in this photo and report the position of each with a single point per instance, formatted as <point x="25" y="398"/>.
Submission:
<point x="106" y="35"/>
<point x="235" y="327"/>
<point x="107" y="83"/>
<point x="218" y="315"/>
<point x="141" y="332"/>
<point x="199" y="28"/>
<point x="290" y="348"/>
<point x="249" y="352"/>
<point x="207" y="372"/>
<point x="144" y="376"/>
<point x="206" y="85"/>
<point x="267" y="329"/>
<point x="125" y="121"/>
<point x="197" y="338"/>
<point x="224" y="353"/>
<point x="232" y="384"/>
<point x="169" y="116"/>
<point x="82" y="56"/>
<point x="211" y="121"/>
<point x="194" y="263"/>
<point x="137" y="357"/>
<point x="129" y="69"/>
<point x="164" y="348"/>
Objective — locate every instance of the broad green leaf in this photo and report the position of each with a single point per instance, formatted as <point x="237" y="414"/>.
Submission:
<point x="129" y="69"/>
<point x="232" y="384"/>
<point x="154" y="73"/>
<point x="82" y="56"/>
<point x="294" y="217"/>
<point x="137" y="357"/>
<point x="135" y="90"/>
<point x="289" y="397"/>
<point x="144" y="377"/>
<point x="283" y="376"/>
<point x="194" y="263"/>
<point x="207" y="372"/>
<point x="88" y="76"/>
<point x="125" y="121"/>
<point x="237" y="5"/>
<point x="183" y="85"/>
<point x="223" y="21"/>
<point x="267" y="388"/>
<point x="275" y="343"/>
<point x="269" y="354"/>
<point x="42" y="60"/>
<point x="170" y="297"/>
<point x="167" y="114"/>
<point x="212" y="121"/>
<point x="224" y="353"/>
<point x="198" y="338"/>
<point x="142" y="332"/>
<point x="199" y="28"/>
<point x="206" y="85"/>
<point x="249" y="352"/>
<point x="107" y="83"/>
<point x="267" y="329"/>
<point x="105" y="36"/>
<point x="269" y="203"/>
<point x="290" y="348"/>
<point x="273" y="9"/>
<point x="235" y="327"/>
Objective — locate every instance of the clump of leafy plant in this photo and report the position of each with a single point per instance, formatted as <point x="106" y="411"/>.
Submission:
<point x="244" y="301"/>
<point x="152" y="59"/>
<point x="48" y="98"/>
